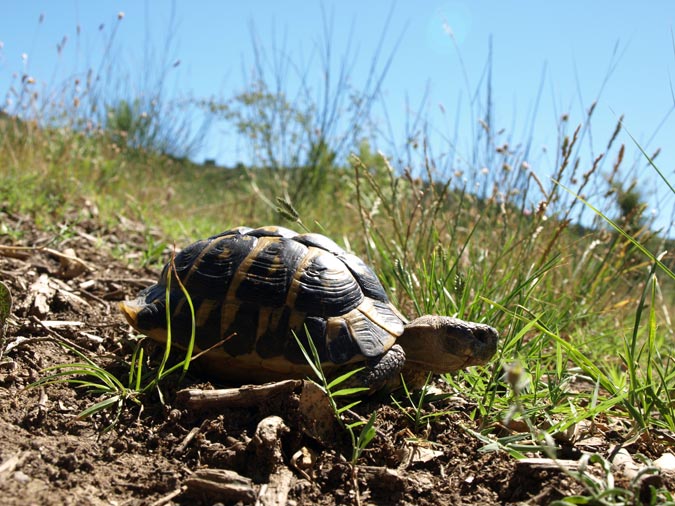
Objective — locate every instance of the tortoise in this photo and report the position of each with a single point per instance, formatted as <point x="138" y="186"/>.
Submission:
<point x="258" y="291"/>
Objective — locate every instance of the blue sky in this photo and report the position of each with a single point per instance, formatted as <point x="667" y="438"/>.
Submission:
<point x="576" y="41"/>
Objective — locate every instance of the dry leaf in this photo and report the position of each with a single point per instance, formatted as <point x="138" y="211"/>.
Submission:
<point x="42" y="294"/>
<point x="69" y="265"/>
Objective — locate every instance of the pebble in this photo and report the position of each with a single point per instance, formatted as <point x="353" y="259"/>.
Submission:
<point x="21" y="477"/>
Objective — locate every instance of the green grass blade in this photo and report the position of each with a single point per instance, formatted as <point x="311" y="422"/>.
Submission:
<point x="347" y="407"/>
<point x="100" y="406"/>
<point x="344" y="377"/>
<point x="621" y="231"/>
<point x="349" y="391"/>
<point x="313" y="360"/>
<point x="368" y="432"/>
<point x="193" y="325"/>
<point x="138" y="369"/>
<point x="79" y="369"/>
<point x="649" y="159"/>
<point x="167" y="309"/>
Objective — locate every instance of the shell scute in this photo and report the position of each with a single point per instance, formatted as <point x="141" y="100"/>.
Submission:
<point x="321" y="242"/>
<point x="267" y="272"/>
<point x="340" y="342"/>
<point x="272" y="231"/>
<point x="240" y="331"/>
<point x="325" y="287"/>
<point x="212" y="271"/>
<point x="270" y="343"/>
<point x="368" y="281"/>
<point x="232" y="231"/>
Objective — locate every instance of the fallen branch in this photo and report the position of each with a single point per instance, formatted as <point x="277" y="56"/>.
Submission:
<point x="246" y="396"/>
<point x="18" y="252"/>
<point x="301" y="403"/>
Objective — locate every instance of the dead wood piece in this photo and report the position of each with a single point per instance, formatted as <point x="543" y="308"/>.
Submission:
<point x="91" y="238"/>
<point x="87" y="285"/>
<point x="311" y="413"/>
<point x="246" y="396"/>
<point x="45" y="289"/>
<point x="65" y="292"/>
<point x="546" y="464"/>
<point x="187" y="439"/>
<point x="61" y="323"/>
<point x="92" y="337"/>
<point x="68" y="257"/>
<point x="223" y="484"/>
<point x="267" y="445"/>
<point x="168" y="498"/>
<point x="22" y="253"/>
<point x="17" y="252"/>
<point x="267" y="441"/>
<point x="316" y="418"/>
<point x="5" y="312"/>
<point x="275" y="493"/>
<point x="102" y="302"/>
<point x="53" y="336"/>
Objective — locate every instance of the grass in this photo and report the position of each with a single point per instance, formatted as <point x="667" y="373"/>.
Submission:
<point x="101" y="382"/>
<point x="584" y="311"/>
<point x="334" y="391"/>
<point x="604" y="491"/>
<point x="417" y="402"/>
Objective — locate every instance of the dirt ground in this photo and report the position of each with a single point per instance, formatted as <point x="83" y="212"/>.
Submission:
<point x="168" y="451"/>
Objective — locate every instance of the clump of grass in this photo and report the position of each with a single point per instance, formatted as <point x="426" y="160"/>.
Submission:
<point x="334" y="391"/>
<point x="117" y="393"/>
<point x="416" y="405"/>
<point x="604" y="490"/>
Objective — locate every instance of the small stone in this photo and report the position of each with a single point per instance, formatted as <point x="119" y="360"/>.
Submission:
<point x="666" y="462"/>
<point x="21" y="477"/>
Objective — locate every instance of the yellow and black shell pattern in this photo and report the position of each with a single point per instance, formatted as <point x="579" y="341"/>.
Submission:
<point x="254" y="289"/>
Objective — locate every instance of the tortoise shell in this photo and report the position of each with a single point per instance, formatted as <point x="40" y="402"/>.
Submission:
<point x="254" y="290"/>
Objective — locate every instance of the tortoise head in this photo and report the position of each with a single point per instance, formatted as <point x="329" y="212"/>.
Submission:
<point x="442" y="344"/>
